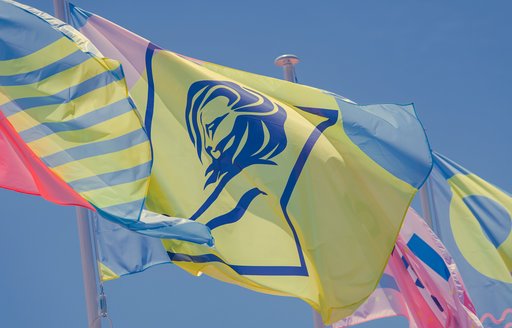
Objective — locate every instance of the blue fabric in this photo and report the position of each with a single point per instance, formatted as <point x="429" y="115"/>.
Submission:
<point x="79" y="17"/>
<point x="124" y="251"/>
<point x="387" y="281"/>
<point x="490" y="296"/>
<point x="12" y="21"/>
<point x="378" y="130"/>
<point x="429" y="256"/>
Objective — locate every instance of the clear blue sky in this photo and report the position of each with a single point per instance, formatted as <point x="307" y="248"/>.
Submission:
<point x="453" y="59"/>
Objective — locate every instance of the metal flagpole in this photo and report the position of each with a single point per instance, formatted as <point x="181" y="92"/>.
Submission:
<point x="89" y="266"/>
<point x="84" y="223"/>
<point x="288" y="62"/>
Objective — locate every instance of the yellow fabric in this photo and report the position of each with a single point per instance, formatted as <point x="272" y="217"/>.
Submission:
<point x="106" y="273"/>
<point x="345" y="232"/>
<point x="48" y="124"/>
<point x="490" y="261"/>
<point x="38" y="59"/>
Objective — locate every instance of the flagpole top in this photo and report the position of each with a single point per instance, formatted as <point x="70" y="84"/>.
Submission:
<point x="285" y="60"/>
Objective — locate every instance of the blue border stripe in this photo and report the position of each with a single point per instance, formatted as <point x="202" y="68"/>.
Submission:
<point x="97" y="148"/>
<point x="63" y="64"/>
<point x="237" y="213"/>
<point x="83" y="122"/>
<point x="447" y="167"/>
<point x="112" y="178"/>
<point x="429" y="256"/>
<point x="66" y="95"/>
<point x="241" y="269"/>
<point x="150" y="106"/>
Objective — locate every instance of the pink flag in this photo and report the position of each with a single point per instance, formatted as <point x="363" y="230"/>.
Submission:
<point x="420" y="283"/>
<point x="21" y="170"/>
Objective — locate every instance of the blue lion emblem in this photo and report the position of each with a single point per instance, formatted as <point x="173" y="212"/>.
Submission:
<point x="233" y="127"/>
<point x="248" y="130"/>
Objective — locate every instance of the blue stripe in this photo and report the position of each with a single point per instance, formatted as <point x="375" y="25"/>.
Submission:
<point x="129" y="211"/>
<point x="429" y="256"/>
<point x="241" y="269"/>
<point x="151" y="87"/>
<point x="70" y="61"/>
<point x="439" y="306"/>
<point x="22" y="33"/>
<point x="64" y="96"/>
<point x="404" y="261"/>
<point x="85" y="121"/>
<point x="237" y="213"/>
<point x="95" y="149"/>
<point x="111" y="179"/>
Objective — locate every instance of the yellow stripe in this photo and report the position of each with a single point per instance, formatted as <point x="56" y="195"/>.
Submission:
<point x="3" y="98"/>
<point x="65" y="112"/>
<point x="107" y="163"/>
<point x="58" y="82"/>
<point x="110" y="196"/>
<point x="41" y="58"/>
<point x="106" y="130"/>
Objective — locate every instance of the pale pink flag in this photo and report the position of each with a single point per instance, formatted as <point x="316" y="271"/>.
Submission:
<point x="421" y="283"/>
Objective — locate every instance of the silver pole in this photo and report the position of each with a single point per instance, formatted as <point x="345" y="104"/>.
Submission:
<point x="317" y="320"/>
<point x="59" y="8"/>
<point x="288" y="62"/>
<point x="89" y="266"/>
<point x="84" y="220"/>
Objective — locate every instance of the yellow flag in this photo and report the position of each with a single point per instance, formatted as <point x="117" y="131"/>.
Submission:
<point x="304" y="191"/>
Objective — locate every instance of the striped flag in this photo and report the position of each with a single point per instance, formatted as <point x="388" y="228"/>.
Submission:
<point x="68" y="111"/>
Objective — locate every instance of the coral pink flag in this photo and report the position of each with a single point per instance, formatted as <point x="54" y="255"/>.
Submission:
<point x="22" y="171"/>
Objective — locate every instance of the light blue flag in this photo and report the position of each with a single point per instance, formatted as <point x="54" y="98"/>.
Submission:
<point x="473" y="219"/>
<point x="122" y="252"/>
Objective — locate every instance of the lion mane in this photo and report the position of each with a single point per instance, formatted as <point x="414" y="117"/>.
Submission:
<point x="256" y="137"/>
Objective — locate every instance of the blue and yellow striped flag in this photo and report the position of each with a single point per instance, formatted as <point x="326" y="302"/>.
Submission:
<point x="303" y="190"/>
<point x="71" y="107"/>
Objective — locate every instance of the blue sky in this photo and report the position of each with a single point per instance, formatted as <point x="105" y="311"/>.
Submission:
<point x="452" y="59"/>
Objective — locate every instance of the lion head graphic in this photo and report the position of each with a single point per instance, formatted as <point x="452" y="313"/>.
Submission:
<point x="234" y="127"/>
